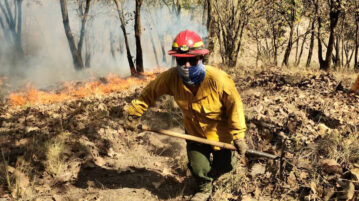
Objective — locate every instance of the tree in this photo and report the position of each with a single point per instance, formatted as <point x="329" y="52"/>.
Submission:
<point x="334" y="11"/>
<point x="231" y="19"/>
<point x="309" y="30"/>
<point x="290" y="19"/>
<point x="356" y="20"/>
<point x="83" y="24"/>
<point x="276" y="27"/>
<point x="123" y="28"/>
<point x="210" y="26"/>
<point x="311" y="45"/>
<point x="174" y="9"/>
<point x="139" y="57"/>
<point x="75" y="49"/>
<point x="11" y="25"/>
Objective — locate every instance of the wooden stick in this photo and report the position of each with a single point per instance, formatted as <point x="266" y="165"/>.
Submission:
<point x="205" y="141"/>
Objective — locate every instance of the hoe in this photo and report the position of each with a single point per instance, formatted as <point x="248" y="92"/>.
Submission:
<point x="205" y="141"/>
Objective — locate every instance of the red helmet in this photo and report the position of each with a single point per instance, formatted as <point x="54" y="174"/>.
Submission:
<point x="188" y="44"/>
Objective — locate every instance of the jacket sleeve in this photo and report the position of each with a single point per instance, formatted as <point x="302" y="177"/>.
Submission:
<point x="155" y="89"/>
<point x="234" y="110"/>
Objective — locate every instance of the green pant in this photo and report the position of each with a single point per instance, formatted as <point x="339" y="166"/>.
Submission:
<point x="205" y="169"/>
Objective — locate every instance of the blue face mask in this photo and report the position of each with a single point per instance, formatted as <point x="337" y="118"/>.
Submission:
<point x="193" y="75"/>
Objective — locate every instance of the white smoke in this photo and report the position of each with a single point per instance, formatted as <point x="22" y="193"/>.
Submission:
<point x="48" y="58"/>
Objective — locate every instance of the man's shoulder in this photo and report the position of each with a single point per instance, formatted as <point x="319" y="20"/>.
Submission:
<point x="169" y="72"/>
<point x="216" y="74"/>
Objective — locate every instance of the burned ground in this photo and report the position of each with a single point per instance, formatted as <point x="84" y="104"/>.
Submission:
<point x="78" y="149"/>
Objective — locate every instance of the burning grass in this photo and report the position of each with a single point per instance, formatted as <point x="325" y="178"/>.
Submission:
<point x="73" y="90"/>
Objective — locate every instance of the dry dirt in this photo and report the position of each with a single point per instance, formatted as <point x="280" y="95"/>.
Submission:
<point x="78" y="149"/>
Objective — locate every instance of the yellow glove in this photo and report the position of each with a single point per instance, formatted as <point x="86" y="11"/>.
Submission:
<point x="241" y="146"/>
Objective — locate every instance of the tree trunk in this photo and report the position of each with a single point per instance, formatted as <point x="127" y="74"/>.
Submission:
<point x="297" y="46"/>
<point x="337" y="58"/>
<point x="76" y="56"/>
<point x="258" y="46"/>
<point x="275" y="48"/>
<point x="154" y="47"/>
<point x="5" y="31"/>
<point x="13" y="30"/>
<point x="163" y="50"/>
<point x="302" y="46"/>
<point x="334" y="16"/>
<point x="234" y="56"/>
<point x="123" y="27"/>
<point x="112" y="46"/>
<point x="356" y="64"/>
<point x="349" y="58"/>
<point x="290" y="40"/>
<point x="83" y="25"/>
<point x="311" y="45"/>
<point x="320" y="47"/>
<point x="139" y="56"/>
<point x="210" y="28"/>
<point x="19" y="47"/>
<point x="289" y="46"/>
<point x="88" y="52"/>
<point x="342" y="37"/>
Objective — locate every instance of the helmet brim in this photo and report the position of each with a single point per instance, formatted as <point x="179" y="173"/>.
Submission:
<point x="191" y="53"/>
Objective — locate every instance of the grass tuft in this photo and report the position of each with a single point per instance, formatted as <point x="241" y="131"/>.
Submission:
<point x="54" y="156"/>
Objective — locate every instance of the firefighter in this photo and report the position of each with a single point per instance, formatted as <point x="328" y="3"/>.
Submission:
<point x="211" y="107"/>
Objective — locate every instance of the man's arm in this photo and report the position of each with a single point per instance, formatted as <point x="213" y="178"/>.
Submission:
<point x="234" y="110"/>
<point x="235" y="113"/>
<point x="155" y="89"/>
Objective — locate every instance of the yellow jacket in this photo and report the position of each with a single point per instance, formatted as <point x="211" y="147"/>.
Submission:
<point x="215" y="113"/>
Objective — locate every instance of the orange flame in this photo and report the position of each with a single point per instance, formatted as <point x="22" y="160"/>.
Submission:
<point x="109" y="84"/>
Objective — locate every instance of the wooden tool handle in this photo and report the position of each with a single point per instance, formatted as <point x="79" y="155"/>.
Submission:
<point x="205" y="141"/>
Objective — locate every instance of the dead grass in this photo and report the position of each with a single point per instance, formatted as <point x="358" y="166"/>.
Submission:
<point x="328" y="145"/>
<point x="5" y="176"/>
<point x="54" y="157"/>
<point x="227" y="186"/>
<point x="337" y="146"/>
<point x="17" y="180"/>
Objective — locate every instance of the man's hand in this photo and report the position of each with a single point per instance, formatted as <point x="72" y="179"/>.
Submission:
<point x="132" y="122"/>
<point x="241" y="146"/>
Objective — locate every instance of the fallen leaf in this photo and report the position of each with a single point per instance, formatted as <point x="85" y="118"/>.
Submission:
<point x="350" y="191"/>
<point x="331" y="166"/>
<point x="166" y="171"/>
<point x="355" y="173"/>
<point x="257" y="169"/>
<point x="313" y="187"/>
<point x="328" y="194"/>
<point x="292" y="180"/>
<point x="99" y="161"/>
<point x="29" y="129"/>
<point x="304" y="163"/>
<point x="303" y="175"/>
<point x="248" y="198"/>
<point x="323" y="129"/>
